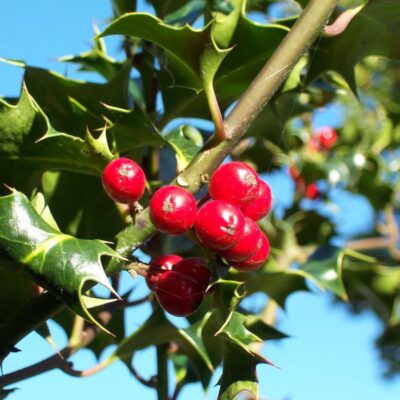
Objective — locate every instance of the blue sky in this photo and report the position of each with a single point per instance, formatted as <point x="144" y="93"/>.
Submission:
<point x="330" y="354"/>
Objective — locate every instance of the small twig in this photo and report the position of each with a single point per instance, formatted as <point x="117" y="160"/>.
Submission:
<point x="152" y="382"/>
<point x="67" y="367"/>
<point x="381" y="242"/>
<point x="133" y="303"/>
<point x="177" y="390"/>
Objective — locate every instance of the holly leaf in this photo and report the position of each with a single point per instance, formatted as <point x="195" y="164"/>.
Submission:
<point x="186" y="14"/>
<point x="327" y="272"/>
<point x="96" y="60"/>
<point x="28" y="143"/>
<point x="234" y="75"/>
<point x="5" y="392"/>
<point x="61" y="263"/>
<point x="157" y="330"/>
<point x="132" y="129"/>
<point x="277" y="285"/>
<point x="184" y="146"/>
<point x="77" y="211"/>
<point x="75" y="106"/>
<point x="121" y="7"/>
<point x="167" y="7"/>
<point x="264" y="331"/>
<point x="224" y="25"/>
<point x="372" y="32"/>
<point x="239" y="365"/>
<point x="192" y="57"/>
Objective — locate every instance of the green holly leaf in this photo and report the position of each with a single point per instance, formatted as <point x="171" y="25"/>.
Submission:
<point x="157" y="330"/>
<point x="239" y="365"/>
<point x="185" y="143"/>
<point x="277" y="285"/>
<point x="61" y="263"/>
<point x="372" y="32"/>
<point x="28" y="143"/>
<point x="264" y="331"/>
<point x="192" y="56"/>
<point x="5" y="392"/>
<point x="96" y="59"/>
<point x="17" y="289"/>
<point x="234" y="75"/>
<point x="188" y="13"/>
<point x="123" y="6"/>
<point x="167" y="7"/>
<point x="76" y="106"/>
<point x="77" y="211"/>
<point x="132" y="129"/>
<point x="225" y="22"/>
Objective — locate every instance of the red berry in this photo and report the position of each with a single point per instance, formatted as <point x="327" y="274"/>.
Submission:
<point x="177" y="293"/>
<point x="124" y="180"/>
<point x="247" y="245"/>
<point x="298" y="179"/>
<point x="257" y="260"/>
<point x="294" y="172"/>
<point x="327" y="137"/>
<point x="195" y="268"/>
<point x="173" y="210"/>
<point x="312" y="192"/>
<point x="219" y="224"/>
<point x="159" y="265"/>
<point x="234" y="182"/>
<point x="261" y="205"/>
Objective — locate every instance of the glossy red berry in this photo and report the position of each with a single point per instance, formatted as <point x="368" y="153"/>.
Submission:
<point x="159" y="265"/>
<point x="327" y="137"/>
<point x="312" y="192"/>
<point x="235" y="182"/>
<point x="177" y="293"/>
<point x="173" y="210"/>
<point x="195" y="268"/>
<point x="124" y="181"/>
<point x="256" y="260"/>
<point x="219" y="224"/>
<point x="261" y="205"/>
<point x="247" y="245"/>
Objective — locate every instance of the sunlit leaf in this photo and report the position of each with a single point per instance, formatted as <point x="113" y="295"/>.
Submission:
<point x="59" y="262"/>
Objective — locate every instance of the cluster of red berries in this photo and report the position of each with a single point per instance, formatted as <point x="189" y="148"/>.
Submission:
<point x="322" y="140"/>
<point x="178" y="283"/>
<point x="225" y="224"/>
<point x="310" y="191"/>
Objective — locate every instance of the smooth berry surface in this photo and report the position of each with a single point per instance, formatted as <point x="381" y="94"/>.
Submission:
<point x="327" y="137"/>
<point x="159" y="265"/>
<point x="235" y="182"/>
<point x="248" y="244"/>
<point x="195" y="268"/>
<point x="173" y="210"/>
<point x="312" y="192"/>
<point x="124" y="181"/>
<point x="261" y="205"/>
<point x="177" y="293"/>
<point x="257" y="260"/>
<point x="219" y="224"/>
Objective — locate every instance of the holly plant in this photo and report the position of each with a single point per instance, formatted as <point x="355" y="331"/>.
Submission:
<point x="162" y="177"/>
